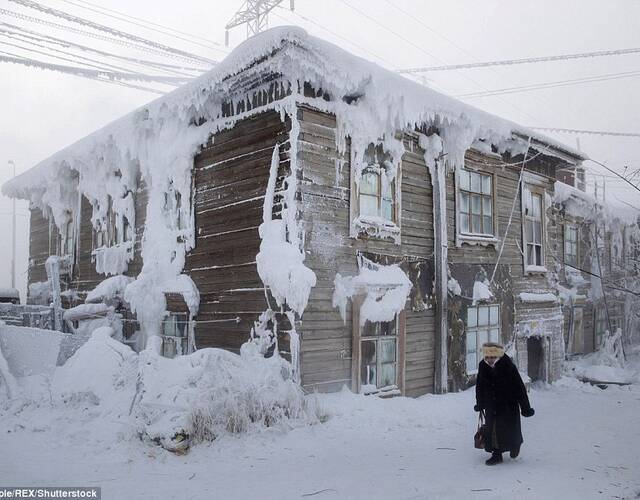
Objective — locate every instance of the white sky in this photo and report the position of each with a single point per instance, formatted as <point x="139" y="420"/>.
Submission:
<point x="44" y="111"/>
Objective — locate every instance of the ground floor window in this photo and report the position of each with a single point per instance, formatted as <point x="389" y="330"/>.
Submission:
<point x="175" y="333"/>
<point x="600" y="326"/>
<point x="483" y="325"/>
<point x="378" y="356"/>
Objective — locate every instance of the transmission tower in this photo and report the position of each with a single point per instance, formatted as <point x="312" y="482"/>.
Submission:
<point x="253" y="13"/>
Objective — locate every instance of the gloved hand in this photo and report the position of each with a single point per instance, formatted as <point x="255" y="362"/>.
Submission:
<point x="528" y="412"/>
<point x="476" y="408"/>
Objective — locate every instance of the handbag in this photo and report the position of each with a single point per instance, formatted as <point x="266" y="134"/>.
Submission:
<point x="478" y="438"/>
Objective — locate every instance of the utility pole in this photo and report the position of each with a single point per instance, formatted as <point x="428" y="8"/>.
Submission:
<point x="13" y="234"/>
<point x="253" y="13"/>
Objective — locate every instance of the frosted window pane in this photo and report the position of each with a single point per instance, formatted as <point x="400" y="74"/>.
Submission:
<point x="464" y="202"/>
<point x="368" y="205"/>
<point x="369" y="183"/>
<point x="493" y="335"/>
<point x="368" y="362"/>
<point x="472" y="362"/>
<point x="388" y="350"/>
<point x="488" y="225"/>
<point x="536" y="201"/>
<point x="528" y="231"/>
<point x="464" y="180"/>
<point x="537" y="232"/>
<point x="471" y="342"/>
<point x="486" y="184"/>
<point x="475" y="204"/>
<point x="487" y="207"/>
<point x="387" y="209"/>
<point x="483" y="316"/>
<point x="370" y="329"/>
<point x="476" y="224"/>
<point x="483" y="337"/>
<point x="493" y="315"/>
<point x="476" y="182"/>
<point x="472" y="317"/>
<point x="388" y="328"/>
<point x="387" y="375"/>
<point x="464" y="223"/>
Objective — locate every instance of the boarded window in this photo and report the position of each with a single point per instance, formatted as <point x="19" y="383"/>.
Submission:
<point x="476" y="203"/>
<point x="483" y="325"/>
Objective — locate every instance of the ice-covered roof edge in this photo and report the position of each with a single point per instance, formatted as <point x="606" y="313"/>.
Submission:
<point x="343" y="74"/>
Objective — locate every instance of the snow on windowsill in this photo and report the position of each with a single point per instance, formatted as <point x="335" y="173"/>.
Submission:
<point x="475" y="239"/>
<point x="376" y="227"/>
<point x="538" y="297"/>
<point x="535" y="270"/>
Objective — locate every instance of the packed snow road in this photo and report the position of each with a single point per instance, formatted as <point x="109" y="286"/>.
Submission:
<point x="582" y="443"/>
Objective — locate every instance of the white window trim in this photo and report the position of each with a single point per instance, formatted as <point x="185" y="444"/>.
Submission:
<point x="472" y="238"/>
<point x="395" y="386"/>
<point x="538" y="184"/>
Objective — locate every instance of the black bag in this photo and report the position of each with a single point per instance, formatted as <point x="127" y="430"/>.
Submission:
<point x="478" y="438"/>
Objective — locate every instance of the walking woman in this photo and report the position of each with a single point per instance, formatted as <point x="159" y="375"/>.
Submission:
<point x="501" y="394"/>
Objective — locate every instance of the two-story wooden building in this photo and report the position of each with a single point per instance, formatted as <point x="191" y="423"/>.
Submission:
<point x="372" y="229"/>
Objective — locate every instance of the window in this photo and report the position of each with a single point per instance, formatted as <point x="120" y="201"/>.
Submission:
<point x="571" y="245"/>
<point x="378" y="356"/>
<point x="476" y="203"/>
<point x="111" y="230"/>
<point x="67" y="242"/>
<point x="483" y="325"/>
<point x="175" y="330"/>
<point x="173" y="208"/>
<point x="533" y="210"/>
<point x="377" y="188"/>
<point x="600" y="326"/>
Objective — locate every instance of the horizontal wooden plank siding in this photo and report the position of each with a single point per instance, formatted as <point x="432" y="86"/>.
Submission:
<point x="326" y="355"/>
<point x="230" y="181"/>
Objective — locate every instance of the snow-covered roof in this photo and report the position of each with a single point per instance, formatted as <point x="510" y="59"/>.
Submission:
<point x="298" y="56"/>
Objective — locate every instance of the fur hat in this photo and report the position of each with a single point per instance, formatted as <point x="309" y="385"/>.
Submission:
<point x="492" y="350"/>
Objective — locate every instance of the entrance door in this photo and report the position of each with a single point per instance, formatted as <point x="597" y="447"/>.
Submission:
<point x="535" y="358"/>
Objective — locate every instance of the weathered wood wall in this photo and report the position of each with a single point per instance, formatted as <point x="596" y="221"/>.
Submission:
<point x="325" y="189"/>
<point x="230" y="179"/>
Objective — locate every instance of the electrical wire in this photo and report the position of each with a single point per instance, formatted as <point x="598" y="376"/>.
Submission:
<point x="166" y="30"/>
<point x="587" y="132"/>
<point x="112" y="31"/>
<point x="89" y="34"/>
<point x="546" y="85"/>
<point x="527" y="60"/>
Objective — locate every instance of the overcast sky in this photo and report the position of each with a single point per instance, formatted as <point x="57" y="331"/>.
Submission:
<point x="44" y="111"/>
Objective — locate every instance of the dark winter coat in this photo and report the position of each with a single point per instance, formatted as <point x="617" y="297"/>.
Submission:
<point x="501" y="393"/>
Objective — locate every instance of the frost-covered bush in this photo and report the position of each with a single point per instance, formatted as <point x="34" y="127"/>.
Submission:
<point x="186" y="400"/>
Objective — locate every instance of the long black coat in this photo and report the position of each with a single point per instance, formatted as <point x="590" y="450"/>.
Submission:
<point x="501" y="393"/>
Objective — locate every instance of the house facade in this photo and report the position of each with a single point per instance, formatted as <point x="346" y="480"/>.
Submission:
<point x="371" y="230"/>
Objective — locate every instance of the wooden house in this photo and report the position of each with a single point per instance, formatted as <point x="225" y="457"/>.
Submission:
<point x="412" y="227"/>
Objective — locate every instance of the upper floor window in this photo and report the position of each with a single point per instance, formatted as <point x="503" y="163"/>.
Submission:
<point x="533" y="228"/>
<point x="483" y="325"/>
<point x="67" y="236"/>
<point x="375" y="196"/>
<point x="113" y="229"/>
<point x="476" y="203"/>
<point x="571" y="244"/>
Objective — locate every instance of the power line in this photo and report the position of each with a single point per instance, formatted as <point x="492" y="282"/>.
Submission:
<point x="103" y="76"/>
<point x="89" y="34"/>
<point x="561" y="83"/>
<point x="528" y="60"/>
<point x="48" y="39"/>
<point x="166" y="30"/>
<point x="587" y="132"/>
<point x="112" y="31"/>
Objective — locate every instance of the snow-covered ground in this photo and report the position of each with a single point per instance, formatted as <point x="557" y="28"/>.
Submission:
<point x="582" y="443"/>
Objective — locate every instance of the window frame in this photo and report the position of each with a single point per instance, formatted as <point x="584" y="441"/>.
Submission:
<point x="477" y="329"/>
<point x="531" y="185"/>
<point x="363" y="225"/>
<point x="470" y="237"/>
<point x="356" y="351"/>
<point x="571" y="227"/>
<point x="171" y="341"/>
